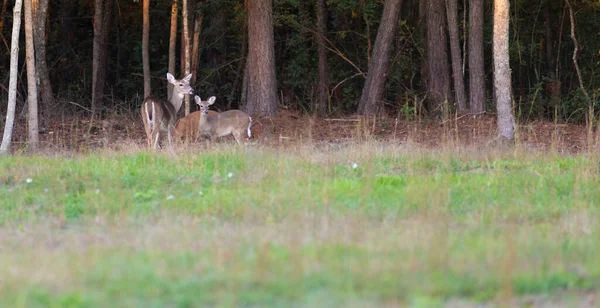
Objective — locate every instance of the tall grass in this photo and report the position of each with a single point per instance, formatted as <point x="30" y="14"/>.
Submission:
<point x="359" y="224"/>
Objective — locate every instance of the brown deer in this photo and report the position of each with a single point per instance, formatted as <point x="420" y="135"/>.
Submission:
<point x="187" y="127"/>
<point x="230" y="122"/>
<point x="160" y="115"/>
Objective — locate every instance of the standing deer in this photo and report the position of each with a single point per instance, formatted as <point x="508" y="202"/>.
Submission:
<point x="230" y="122"/>
<point x="160" y="115"/>
<point x="187" y="127"/>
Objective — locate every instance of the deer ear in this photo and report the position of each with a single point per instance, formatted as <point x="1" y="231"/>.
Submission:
<point x="197" y="99"/>
<point x="188" y="78"/>
<point x="212" y="100"/>
<point x="170" y="78"/>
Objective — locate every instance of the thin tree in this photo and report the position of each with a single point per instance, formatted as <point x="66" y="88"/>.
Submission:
<point x="372" y="93"/>
<point x="12" y="84"/>
<point x="102" y="21"/>
<point x="455" y="54"/>
<point x="32" y="98"/>
<point x="145" y="39"/>
<point x="438" y="74"/>
<point x="323" y="85"/>
<point x="40" y="13"/>
<point x="185" y="44"/>
<point x="476" y="67"/>
<point x="196" y="44"/>
<point x="502" y="85"/>
<point x="262" y="98"/>
<point x="172" y="44"/>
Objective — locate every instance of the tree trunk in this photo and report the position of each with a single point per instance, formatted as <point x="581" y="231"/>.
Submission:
<point x="459" y="83"/>
<point x="372" y="93"/>
<point x="145" y="39"/>
<point x="172" y="44"/>
<point x="12" y="84"/>
<point x="502" y="84"/>
<point x="32" y="99"/>
<point x="438" y="80"/>
<point x="186" y="49"/>
<point x="102" y="22"/>
<point x="262" y="99"/>
<point x="40" y="12"/>
<point x="96" y="50"/>
<point x="196" y="45"/>
<point x="476" y="66"/>
<point x="323" y="86"/>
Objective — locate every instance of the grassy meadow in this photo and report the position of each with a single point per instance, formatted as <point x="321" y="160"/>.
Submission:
<point x="357" y="225"/>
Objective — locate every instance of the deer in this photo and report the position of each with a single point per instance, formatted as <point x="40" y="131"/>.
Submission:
<point x="231" y="122"/>
<point x="187" y="127"/>
<point x="160" y="115"/>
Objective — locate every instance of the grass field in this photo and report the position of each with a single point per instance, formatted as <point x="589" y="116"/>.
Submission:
<point x="359" y="225"/>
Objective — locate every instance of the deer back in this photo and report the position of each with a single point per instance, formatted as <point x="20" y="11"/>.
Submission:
<point x="225" y="123"/>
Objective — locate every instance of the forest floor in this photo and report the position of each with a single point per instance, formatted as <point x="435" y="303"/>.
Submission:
<point x="290" y="128"/>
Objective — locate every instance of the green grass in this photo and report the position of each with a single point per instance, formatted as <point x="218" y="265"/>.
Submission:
<point x="296" y="227"/>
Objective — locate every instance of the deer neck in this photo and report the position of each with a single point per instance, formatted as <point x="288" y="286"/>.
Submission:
<point x="176" y="99"/>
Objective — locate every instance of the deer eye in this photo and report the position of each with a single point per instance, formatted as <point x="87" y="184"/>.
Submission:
<point x="181" y="84"/>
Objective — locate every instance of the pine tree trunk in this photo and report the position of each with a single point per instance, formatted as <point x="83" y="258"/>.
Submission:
<point x="476" y="65"/>
<point x="459" y="83"/>
<point x="196" y="45"/>
<point x="40" y="11"/>
<point x="438" y="80"/>
<point x="323" y="86"/>
<point x="12" y="84"/>
<point x="262" y="99"/>
<point x="172" y="44"/>
<point x="502" y="84"/>
<point x="372" y="93"/>
<point x="96" y="50"/>
<point x="145" y="39"/>
<point x="32" y="98"/>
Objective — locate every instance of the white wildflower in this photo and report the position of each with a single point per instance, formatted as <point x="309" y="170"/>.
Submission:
<point x="29" y="180"/>
<point x="230" y="174"/>
<point x="354" y="165"/>
<point x="170" y="197"/>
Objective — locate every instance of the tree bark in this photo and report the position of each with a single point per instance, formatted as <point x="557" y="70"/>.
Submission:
<point x="12" y="84"/>
<point x="145" y="39"/>
<point x="476" y="65"/>
<point x="32" y="98"/>
<point x="459" y="83"/>
<point x="438" y="80"/>
<point x="102" y="22"/>
<point x="323" y="85"/>
<point x="172" y="44"/>
<point x="40" y="12"/>
<point x="372" y="93"/>
<point x="196" y="45"/>
<point x="502" y="80"/>
<point x="186" y="49"/>
<point x="262" y="99"/>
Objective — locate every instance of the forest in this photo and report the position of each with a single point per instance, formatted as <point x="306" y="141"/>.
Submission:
<point x="403" y="59"/>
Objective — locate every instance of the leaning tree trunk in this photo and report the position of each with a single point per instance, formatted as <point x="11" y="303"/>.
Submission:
<point x="476" y="68"/>
<point x="145" y="39"/>
<point x="40" y="12"/>
<point x="262" y="99"/>
<point x="323" y="86"/>
<point x="372" y="93"/>
<point x="438" y="74"/>
<point x="186" y="49"/>
<point x="502" y="85"/>
<point x="32" y="99"/>
<point x="12" y="84"/>
<point x="459" y="82"/>
<point x="172" y="44"/>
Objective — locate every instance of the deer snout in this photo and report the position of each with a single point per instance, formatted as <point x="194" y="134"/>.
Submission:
<point x="192" y="92"/>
